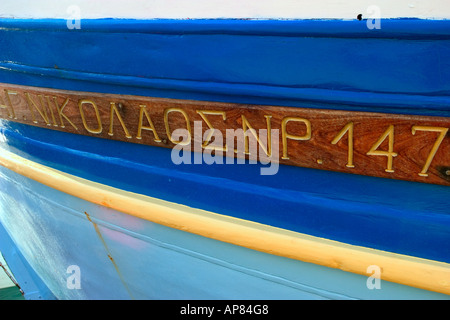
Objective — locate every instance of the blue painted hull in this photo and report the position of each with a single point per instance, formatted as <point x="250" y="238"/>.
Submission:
<point x="316" y="64"/>
<point x="156" y="262"/>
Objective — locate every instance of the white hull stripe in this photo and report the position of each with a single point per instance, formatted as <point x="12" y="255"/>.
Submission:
<point x="225" y="9"/>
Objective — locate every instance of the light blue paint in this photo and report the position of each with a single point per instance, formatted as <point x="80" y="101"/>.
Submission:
<point x="5" y="281"/>
<point x="23" y="272"/>
<point x="155" y="262"/>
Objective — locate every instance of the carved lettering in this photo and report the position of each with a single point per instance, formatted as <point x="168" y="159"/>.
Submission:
<point x="212" y="131"/>
<point x="285" y="135"/>
<point x="142" y="112"/>
<point x="114" y="111"/>
<point x="348" y="128"/>
<point x="442" y="132"/>
<point x="42" y="111"/>
<point x="99" y="128"/>
<point x="51" y="111"/>
<point x="61" y="114"/>
<point x="188" y="126"/>
<point x="246" y="127"/>
<point x="9" y="108"/>
<point x="390" y="153"/>
<point x="334" y="140"/>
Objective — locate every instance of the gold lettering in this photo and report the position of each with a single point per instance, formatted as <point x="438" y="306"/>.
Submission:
<point x="206" y="143"/>
<point x="348" y="128"/>
<point x="142" y="112"/>
<point x="61" y="114"/>
<point x="44" y="108"/>
<point x="42" y="113"/>
<point x="11" y="113"/>
<point x="286" y="135"/>
<point x="83" y="117"/>
<point x="166" y="122"/>
<point x="51" y="111"/>
<point x="246" y="126"/>
<point x="389" y="154"/>
<point x="4" y="106"/>
<point x="434" y="149"/>
<point x="113" y="110"/>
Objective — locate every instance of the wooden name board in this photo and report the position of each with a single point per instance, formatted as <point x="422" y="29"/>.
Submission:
<point x="405" y="147"/>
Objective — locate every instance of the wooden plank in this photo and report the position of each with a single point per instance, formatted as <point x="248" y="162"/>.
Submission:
<point x="405" y="147"/>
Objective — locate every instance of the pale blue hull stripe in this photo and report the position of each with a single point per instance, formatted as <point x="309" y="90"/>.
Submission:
<point x="156" y="262"/>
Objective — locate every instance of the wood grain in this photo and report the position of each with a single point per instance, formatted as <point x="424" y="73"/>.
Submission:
<point x="413" y="137"/>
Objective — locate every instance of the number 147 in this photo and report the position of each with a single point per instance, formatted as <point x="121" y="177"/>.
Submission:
<point x="390" y="154"/>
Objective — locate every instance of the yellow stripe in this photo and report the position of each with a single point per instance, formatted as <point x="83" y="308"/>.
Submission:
<point x="412" y="271"/>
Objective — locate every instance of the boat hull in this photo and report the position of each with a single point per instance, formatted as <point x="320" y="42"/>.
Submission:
<point x="119" y="256"/>
<point x="90" y="217"/>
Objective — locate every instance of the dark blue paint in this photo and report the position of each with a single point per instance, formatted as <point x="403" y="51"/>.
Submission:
<point x="401" y="68"/>
<point x="397" y="216"/>
<point x="402" y="28"/>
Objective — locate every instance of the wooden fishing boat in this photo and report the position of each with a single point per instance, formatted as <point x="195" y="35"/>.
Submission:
<point x="239" y="150"/>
